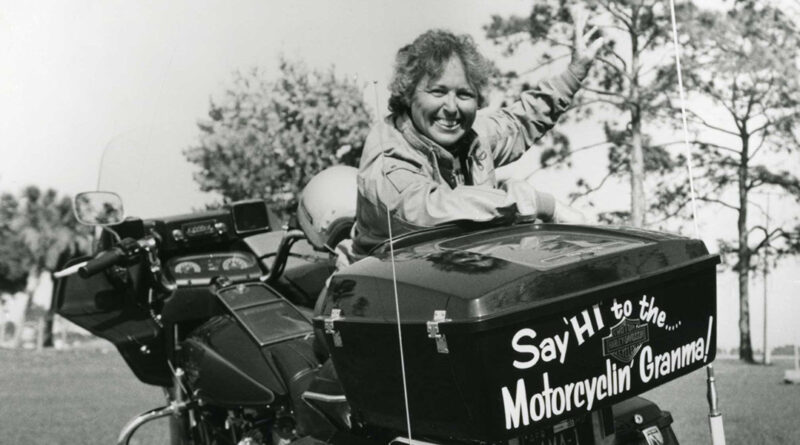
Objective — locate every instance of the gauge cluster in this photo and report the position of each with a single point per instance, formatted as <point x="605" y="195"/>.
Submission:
<point x="200" y="269"/>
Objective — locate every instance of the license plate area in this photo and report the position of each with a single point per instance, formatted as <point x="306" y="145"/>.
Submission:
<point x="575" y="431"/>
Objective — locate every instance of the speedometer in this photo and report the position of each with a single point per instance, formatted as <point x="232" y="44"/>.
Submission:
<point x="187" y="267"/>
<point x="235" y="263"/>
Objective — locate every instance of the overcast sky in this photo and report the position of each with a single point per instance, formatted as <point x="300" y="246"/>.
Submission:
<point x="75" y="75"/>
<point x="79" y="76"/>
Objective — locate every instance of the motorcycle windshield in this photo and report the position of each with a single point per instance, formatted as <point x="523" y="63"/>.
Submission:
<point x="148" y="169"/>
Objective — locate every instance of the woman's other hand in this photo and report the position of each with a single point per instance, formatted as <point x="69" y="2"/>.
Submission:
<point x="564" y="214"/>
<point x="583" y="52"/>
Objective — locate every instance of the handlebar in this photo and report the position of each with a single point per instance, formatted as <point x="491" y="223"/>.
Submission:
<point x="102" y="262"/>
<point x="122" y="253"/>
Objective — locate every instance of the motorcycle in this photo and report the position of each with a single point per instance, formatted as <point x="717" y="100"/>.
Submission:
<point x="461" y="334"/>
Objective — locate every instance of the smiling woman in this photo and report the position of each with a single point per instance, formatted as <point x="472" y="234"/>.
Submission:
<point x="433" y="159"/>
<point x="440" y="80"/>
<point x="444" y="109"/>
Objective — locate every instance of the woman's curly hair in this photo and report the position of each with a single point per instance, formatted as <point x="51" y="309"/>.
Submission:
<point x="428" y="55"/>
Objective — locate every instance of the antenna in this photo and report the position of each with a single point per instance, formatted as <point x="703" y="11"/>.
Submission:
<point x="394" y="286"/>
<point x="714" y="415"/>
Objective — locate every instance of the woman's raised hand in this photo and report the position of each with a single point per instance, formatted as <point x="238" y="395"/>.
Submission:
<point x="583" y="52"/>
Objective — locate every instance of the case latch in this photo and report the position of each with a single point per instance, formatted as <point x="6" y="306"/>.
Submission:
<point x="433" y="331"/>
<point x="336" y="314"/>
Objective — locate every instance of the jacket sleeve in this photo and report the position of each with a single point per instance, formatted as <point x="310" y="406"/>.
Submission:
<point x="416" y="199"/>
<point x="512" y="130"/>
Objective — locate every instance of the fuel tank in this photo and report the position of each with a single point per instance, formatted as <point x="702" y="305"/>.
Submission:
<point x="246" y="357"/>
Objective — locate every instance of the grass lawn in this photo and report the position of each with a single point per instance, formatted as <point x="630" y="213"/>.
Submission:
<point x="72" y="397"/>
<point x="757" y="408"/>
<point x="86" y="396"/>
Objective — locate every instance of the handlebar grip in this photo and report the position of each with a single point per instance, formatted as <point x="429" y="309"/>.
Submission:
<point x="102" y="262"/>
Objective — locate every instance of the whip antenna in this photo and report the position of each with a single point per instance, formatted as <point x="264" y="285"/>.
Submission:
<point x="686" y="145"/>
<point x="714" y="415"/>
<point x="394" y="286"/>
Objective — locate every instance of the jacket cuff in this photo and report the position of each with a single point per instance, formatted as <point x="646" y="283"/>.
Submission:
<point x="574" y="75"/>
<point x="545" y="206"/>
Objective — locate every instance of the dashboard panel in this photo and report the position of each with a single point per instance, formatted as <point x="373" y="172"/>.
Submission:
<point x="200" y="269"/>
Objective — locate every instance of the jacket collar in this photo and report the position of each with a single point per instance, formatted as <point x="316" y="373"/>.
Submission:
<point x="428" y="147"/>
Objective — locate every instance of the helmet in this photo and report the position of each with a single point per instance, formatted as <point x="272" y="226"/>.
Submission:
<point x="327" y="207"/>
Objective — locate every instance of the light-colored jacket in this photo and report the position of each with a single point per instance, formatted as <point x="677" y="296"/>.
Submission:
<point x="420" y="184"/>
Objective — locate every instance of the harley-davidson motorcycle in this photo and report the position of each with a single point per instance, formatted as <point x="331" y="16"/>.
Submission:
<point x="461" y="334"/>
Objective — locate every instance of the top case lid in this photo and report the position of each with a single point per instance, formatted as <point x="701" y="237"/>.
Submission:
<point x="479" y="274"/>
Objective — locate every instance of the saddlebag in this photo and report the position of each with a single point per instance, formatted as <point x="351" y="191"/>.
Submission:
<point x="510" y="330"/>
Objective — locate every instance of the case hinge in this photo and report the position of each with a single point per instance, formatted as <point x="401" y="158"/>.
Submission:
<point x="433" y="331"/>
<point x="336" y="314"/>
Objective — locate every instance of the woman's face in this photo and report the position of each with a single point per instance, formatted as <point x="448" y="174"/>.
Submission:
<point x="443" y="109"/>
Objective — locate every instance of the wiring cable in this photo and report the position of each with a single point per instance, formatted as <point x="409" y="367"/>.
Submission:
<point x="714" y="415"/>
<point x="396" y="297"/>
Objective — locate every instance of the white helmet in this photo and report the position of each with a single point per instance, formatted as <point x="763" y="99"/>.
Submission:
<point x="327" y="207"/>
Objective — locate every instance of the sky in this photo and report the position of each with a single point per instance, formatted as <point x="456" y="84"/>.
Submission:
<point x="121" y="84"/>
<point x="76" y="75"/>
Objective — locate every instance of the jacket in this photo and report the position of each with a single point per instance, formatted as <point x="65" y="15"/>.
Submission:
<point x="420" y="184"/>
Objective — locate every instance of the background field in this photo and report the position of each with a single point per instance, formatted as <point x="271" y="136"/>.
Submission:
<point x="86" y="396"/>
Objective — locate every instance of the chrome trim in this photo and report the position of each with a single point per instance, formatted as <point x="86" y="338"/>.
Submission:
<point x="311" y="398"/>
<point x="128" y="430"/>
<point x="405" y="440"/>
<point x="323" y="397"/>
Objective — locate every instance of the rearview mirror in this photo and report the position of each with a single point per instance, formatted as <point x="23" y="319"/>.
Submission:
<point x="98" y="208"/>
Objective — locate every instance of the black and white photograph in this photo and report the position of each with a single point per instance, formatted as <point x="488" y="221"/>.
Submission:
<point x="441" y="222"/>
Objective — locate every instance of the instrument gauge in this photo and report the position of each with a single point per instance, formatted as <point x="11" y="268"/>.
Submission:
<point x="187" y="267"/>
<point x="235" y="263"/>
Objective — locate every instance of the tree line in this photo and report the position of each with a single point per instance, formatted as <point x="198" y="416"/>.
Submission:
<point x="38" y="234"/>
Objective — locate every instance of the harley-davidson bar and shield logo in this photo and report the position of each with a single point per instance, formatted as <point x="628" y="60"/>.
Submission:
<point x="625" y="339"/>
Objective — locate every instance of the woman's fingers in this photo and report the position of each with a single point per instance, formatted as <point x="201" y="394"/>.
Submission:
<point x="589" y="34"/>
<point x="584" y="49"/>
<point x="578" y="14"/>
<point x="594" y="47"/>
<point x="565" y="214"/>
